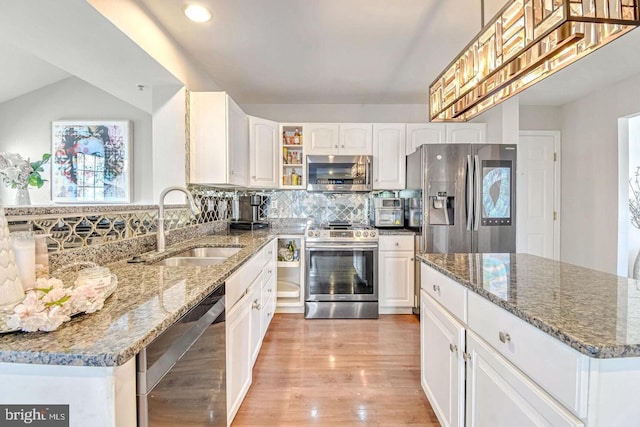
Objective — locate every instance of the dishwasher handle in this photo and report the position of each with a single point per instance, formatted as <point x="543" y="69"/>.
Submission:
<point x="149" y="377"/>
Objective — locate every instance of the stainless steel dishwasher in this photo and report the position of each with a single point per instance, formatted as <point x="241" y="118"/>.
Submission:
<point x="181" y="375"/>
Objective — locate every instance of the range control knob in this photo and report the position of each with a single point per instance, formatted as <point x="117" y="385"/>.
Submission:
<point x="365" y="234"/>
<point x="317" y="234"/>
<point x="358" y="233"/>
<point x="373" y="234"/>
<point x="310" y="234"/>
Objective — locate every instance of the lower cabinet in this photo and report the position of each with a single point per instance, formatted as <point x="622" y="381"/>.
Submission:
<point x="396" y="272"/>
<point x="498" y="394"/>
<point x="442" y="361"/>
<point x="467" y="381"/>
<point x="250" y="299"/>
<point x="238" y="354"/>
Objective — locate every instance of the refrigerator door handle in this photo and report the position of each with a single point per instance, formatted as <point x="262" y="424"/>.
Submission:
<point x="478" y="201"/>
<point x="469" y="194"/>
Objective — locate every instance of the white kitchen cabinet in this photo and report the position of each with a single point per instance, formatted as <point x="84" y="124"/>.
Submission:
<point x="396" y="273"/>
<point x="464" y="133"/>
<point x="321" y="138"/>
<point x="389" y="156"/>
<point x="356" y="139"/>
<point x="347" y="139"/>
<point x="424" y="133"/>
<point x="238" y="325"/>
<point x="499" y="395"/>
<point x="263" y="142"/>
<point x="292" y="157"/>
<point x="290" y="277"/>
<point x="219" y="134"/>
<point x="442" y="365"/>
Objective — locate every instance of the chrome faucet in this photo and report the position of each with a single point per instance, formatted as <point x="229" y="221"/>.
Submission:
<point x="160" y="233"/>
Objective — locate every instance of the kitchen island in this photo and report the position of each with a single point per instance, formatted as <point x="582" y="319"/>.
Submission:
<point x="89" y="362"/>
<point x="537" y="341"/>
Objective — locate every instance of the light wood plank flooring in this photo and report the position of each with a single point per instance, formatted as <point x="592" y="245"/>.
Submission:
<point x="338" y="373"/>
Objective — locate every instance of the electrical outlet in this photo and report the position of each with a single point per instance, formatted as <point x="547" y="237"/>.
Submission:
<point x="274" y="204"/>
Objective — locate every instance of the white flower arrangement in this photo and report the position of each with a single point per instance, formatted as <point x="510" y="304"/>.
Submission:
<point x="18" y="172"/>
<point x="50" y="304"/>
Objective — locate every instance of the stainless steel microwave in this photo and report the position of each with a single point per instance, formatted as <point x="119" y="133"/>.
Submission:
<point x="339" y="173"/>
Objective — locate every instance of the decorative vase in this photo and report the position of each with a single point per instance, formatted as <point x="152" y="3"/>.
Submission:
<point x="22" y="197"/>
<point x="636" y="267"/>
<point x="11" y="291"/>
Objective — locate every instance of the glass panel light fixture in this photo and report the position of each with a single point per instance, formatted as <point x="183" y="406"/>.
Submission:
<point x="525" y="42"/>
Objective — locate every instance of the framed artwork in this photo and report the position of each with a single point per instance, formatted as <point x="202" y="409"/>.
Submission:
<point x="91" y="161"/>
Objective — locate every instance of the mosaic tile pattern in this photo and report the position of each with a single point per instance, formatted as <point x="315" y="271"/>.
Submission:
<point x="79" y="226"/>
<point x="352" y="207"/>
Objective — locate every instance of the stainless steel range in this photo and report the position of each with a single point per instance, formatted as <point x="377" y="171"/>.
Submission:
<point x="341" y="271"/>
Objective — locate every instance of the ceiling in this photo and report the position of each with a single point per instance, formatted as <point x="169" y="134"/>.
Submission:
<point x="275" y="51"/>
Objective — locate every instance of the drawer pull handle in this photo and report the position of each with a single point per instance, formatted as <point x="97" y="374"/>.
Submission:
<point x="397" y="244"/>
<point x="436" y="288"/>
<point x="453" y="348"/>
<point x="256" y="304"/>
<point x="504" y="337"/>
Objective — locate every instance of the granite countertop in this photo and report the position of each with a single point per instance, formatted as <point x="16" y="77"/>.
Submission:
<point x="395" y="231"/>
<point x="148" y="300"/>
<point x="596" y="313"/>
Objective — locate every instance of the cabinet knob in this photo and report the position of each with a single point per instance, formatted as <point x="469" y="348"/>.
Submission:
<point x="335" y="146"/>
<point x="504" y="337"/>
<point x="256" y="304"/>
<point x="437" y="289"/>
<point x="253" y="177"/>
<point x="397" y="244"/>
<point x="342" y="145"/>
<point x="453" y="348"/>
<point x="411" y="259"/>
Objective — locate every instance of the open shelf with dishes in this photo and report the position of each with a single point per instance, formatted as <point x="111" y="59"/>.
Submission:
<point x="292" y="159"/>
<point x="290" y="284"/>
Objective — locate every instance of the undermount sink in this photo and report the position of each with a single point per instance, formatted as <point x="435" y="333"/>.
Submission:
<point x="199" y="257"/>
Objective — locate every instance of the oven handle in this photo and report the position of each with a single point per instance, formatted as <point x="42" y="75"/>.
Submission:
<point x="340" y="246"/>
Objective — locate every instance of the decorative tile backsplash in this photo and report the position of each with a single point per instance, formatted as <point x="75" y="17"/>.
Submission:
<point x="322" y="207"/>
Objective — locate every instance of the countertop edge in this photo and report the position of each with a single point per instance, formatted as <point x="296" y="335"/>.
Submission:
<point x="590" y="350"/>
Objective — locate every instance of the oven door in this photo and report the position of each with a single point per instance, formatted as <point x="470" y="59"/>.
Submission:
<point x="341" y="272"/>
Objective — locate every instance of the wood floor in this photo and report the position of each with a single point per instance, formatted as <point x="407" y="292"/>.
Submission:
<point x="338" y="373"/>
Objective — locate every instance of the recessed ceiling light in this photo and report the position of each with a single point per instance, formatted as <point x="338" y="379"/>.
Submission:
<point x="197" y="13"/>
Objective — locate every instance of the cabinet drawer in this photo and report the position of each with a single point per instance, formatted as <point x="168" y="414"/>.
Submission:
<point x="556" y="367"/>
<point x="451" y="295"/>
<point x="396" y="243"/>
<point x="269" y="253"/>
<point x="238" y="282"/>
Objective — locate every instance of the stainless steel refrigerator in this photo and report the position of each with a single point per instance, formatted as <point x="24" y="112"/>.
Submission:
<point x="468" y="199"/>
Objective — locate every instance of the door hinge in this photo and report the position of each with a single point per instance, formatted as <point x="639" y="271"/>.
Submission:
<point x="555" y="215"/>
<point x="555" y="157"/>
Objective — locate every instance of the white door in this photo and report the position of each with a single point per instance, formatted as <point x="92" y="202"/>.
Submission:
<point x="238" y="140"/>
<point x="321" y="138"/>
<point x="538" y="189"/>
<point x="396" y="278"/>
<point x="442" y="367"/>
<point x="263" y="137"/>
<point x="499" y="395"/>
<point x="389" y="157"/>
<point x="424" y="133"/>
<point x="356" y="139"/>
<point x="256" y="318"/>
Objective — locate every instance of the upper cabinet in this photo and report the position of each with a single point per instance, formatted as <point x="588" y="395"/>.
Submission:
<point x="424" y="133"/>
<point x="466" y="133"/>
<point x="294" y="142"/>
<point x="263" y="164"/>
<point x="356" y="139"/>
<point x="439" y="133"/>
<point x="389" y="158"/>
<point x="339" y="139"/>
<point x="321" y="138"/>
<point x="219" y="132"/>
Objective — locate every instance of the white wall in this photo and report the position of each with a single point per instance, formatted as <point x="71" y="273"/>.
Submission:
<point x="534" y="117"/>
<point x="341" y="113"/>
<point x="633" y="234"/>
<point x="25" y="128"/>
<point x="589" y="229"/>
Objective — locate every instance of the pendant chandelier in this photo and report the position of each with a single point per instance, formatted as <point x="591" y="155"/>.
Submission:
<point x="525" y="42"/>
